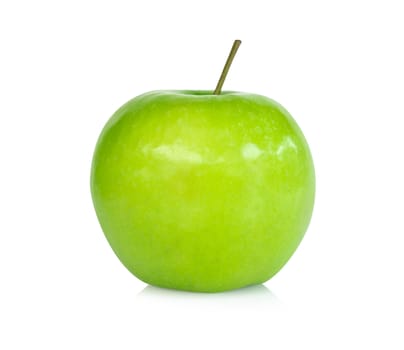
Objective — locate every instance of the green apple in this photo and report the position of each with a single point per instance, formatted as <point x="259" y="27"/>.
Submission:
<point x="203" y="192"/>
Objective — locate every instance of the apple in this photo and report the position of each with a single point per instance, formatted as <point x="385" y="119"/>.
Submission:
<point x="200" y="191"/>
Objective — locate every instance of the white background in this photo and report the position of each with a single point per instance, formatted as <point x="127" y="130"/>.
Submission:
<point x="65" y="67"/>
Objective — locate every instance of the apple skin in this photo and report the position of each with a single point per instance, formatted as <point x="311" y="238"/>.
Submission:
<point x="203" y="192"/>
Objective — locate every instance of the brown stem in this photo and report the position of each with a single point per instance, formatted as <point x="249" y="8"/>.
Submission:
<point x="226" y="67"/>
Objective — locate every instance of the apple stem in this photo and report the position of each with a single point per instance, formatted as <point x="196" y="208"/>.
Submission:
<point x="226" y="67"/>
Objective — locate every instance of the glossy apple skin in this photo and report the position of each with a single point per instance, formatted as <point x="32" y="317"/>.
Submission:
<point x="201" y="192"/>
